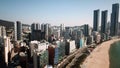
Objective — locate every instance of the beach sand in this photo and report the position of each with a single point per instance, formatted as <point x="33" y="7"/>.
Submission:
<point x="99" y="58"/>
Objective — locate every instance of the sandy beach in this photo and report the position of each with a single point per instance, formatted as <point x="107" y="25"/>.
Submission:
<point x="99" y="58"/>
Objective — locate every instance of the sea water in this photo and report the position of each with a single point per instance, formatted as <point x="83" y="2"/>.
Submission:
<point x="114" y="55"/>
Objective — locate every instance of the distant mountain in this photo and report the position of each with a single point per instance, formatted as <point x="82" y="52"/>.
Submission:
<point x="25" y="25"/>
<point x="7" y="24"/>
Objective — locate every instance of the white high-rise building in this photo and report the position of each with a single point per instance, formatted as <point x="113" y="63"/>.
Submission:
<point x="15" y="32"/>
<point x="2" y="31"/>
<point x="7" y="48"/>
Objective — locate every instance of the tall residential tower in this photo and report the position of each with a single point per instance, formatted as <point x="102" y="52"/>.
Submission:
<point x="114" y="19"/>
<point x="96" y="20"/>
<point x="104" y="21"/>
<point x="19" y="30"/>
<point x="35" y="32"/>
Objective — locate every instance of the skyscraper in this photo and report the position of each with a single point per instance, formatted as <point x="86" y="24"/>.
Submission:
<point x="42" y="27"/>
<point x="2" y="31"/>
<point x="19" y="30"/>
<point x="62" y="28"/>
<point x="38" y="26"/>
<point x="36" y="32"/>
<point x="35" y="26"/>
<point x="104" y="21"/>
<point x="86" y="30"/>
<point x="96" y="20"/>
<point x="114" y="19"/>
<point x="7" y="48"/>
<point x="46" y="27"/>
<point x="47" y="30"/>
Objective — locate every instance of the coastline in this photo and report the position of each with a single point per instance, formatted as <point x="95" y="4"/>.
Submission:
<point x="99" y="58"/>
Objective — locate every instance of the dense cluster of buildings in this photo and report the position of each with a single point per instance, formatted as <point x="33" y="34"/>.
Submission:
<point x="39" y="45"/>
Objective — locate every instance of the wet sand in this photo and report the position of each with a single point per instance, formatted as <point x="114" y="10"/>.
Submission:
<point x="99" y="58"/>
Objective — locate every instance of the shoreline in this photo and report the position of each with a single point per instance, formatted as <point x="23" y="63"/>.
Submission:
<point x="99" y="57"/>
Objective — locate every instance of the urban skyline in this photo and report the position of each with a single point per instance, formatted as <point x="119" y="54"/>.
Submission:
<point x="54" y="12"/>
<point x="44" y="44"/>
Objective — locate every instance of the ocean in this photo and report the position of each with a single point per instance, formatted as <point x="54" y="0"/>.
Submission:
<point x="114" y="54"/>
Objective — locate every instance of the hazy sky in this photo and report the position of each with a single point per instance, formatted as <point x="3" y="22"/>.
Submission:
<point x="55" y="12"/>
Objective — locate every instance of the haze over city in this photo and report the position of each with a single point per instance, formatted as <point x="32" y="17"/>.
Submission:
<point x="55" y="12"/>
